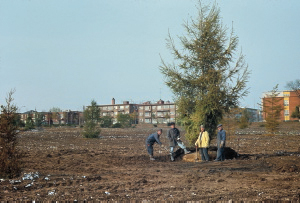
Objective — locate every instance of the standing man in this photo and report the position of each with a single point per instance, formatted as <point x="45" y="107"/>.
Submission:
<point x="173" y="135"/>
<point x="203" y="143"/>
<point x="151" y="139"/>
<point x="221" y="138"/>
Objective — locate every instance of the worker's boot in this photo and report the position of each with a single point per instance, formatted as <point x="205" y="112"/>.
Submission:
<point x="151" y="158"/>
<point x="172" y="157"/>
<point x="186" y="151"/>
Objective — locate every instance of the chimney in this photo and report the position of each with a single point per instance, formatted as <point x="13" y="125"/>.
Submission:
<point x="113" y="101"/>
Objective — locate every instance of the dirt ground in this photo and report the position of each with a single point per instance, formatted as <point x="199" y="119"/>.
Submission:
<point x="60" y="165"/>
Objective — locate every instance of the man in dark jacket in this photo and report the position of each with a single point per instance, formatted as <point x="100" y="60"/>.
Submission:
<point x="221" y="138"/>
<point x="173" y="135"/>
<point x="151" y="139"/>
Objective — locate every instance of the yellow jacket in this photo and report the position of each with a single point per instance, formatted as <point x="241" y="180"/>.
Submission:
<point x="204" y="142"/>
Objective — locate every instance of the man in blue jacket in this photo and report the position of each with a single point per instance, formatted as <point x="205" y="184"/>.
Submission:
<point x="221" y="138"/>
<point x="151" y="139"/>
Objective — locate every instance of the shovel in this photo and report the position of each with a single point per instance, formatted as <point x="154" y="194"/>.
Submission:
<point x="197" y="158"/>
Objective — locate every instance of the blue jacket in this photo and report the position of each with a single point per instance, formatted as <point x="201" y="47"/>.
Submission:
<point x="151" y="139"/>
<point x="221" y="136"/>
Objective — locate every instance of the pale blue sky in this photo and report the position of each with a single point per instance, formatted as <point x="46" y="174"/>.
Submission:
<point x="66" y="53"/>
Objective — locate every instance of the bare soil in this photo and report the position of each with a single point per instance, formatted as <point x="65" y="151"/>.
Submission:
<point x="59" y="165"/>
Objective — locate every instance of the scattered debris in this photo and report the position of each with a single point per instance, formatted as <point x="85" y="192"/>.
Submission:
<point x="30" y="176"/>
<point x="51" y="192"/>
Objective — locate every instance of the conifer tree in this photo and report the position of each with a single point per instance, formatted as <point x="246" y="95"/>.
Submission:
<point x="92" y="118"/>
<point x="10" y="156"/>
<point x="208" y="76"/>
<point x="272" y="107"/>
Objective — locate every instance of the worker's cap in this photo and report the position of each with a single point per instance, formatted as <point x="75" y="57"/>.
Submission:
<point x="172" y="123"/>
<point x="201" y="126"/>
<point x="219" y="125"/>
<point x="159" y="130"/>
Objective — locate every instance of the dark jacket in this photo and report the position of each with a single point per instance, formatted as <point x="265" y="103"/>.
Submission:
<point x="173" y="134"/>
<point x="151" y="139"/>
<point x="221" y="136"/>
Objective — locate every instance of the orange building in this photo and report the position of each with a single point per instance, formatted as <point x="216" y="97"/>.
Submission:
<point x="287" y="99"/>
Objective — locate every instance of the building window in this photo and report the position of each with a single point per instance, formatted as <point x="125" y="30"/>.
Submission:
<point x="110" y="108"/>
<point x="153" y="107"/>
<point x="286" y="112"/>
<point x="148" y="120"/>
<point x="116" y="107"/>
<point x="147" y="114"/>
<point x="141" y="114"/>
<point x="141" y="107"/>
<point x="286" y="95"/>
<point x="127" y="107"/>
<point x="286" y="102"/>
<point x="159" y="114"/>
<point x="158" y="107"/>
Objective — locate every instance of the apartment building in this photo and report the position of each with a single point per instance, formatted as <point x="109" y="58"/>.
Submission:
<point x="114" y="109"/>
<point x="67" y="117"/>
<point x="147" y="112"/>
<point x="287" y="99"/>
<point x="159" y="112"/>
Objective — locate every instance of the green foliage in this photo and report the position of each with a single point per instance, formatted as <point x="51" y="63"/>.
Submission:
<point x="106" y="122"/>
<point x="39" y="119"/>
<point x="208" y="77"/>
<point x="9" y="155"/>
<point x="117" y="125"/>
<point x="18" y="122"/>
<point x="92" y="112"/>
<point x="29" y="123"/>
<point x="91" y="130"/>
<point x="272" y="109"/>
<point x="124" y="120"/>
<point x="92" y="118"/>
<point x="296" y="113"/>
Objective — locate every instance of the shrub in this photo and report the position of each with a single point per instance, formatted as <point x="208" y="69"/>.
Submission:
<point x="91" y="130"/>
<point x="117" y="125"/>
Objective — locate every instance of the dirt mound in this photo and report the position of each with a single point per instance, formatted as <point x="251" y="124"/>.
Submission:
<point x="212" y="153"/>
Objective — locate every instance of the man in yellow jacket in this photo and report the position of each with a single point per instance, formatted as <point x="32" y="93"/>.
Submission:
<point x="203" y="143"/>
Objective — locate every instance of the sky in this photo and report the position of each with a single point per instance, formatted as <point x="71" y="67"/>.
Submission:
<point x="65" y="53"/>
